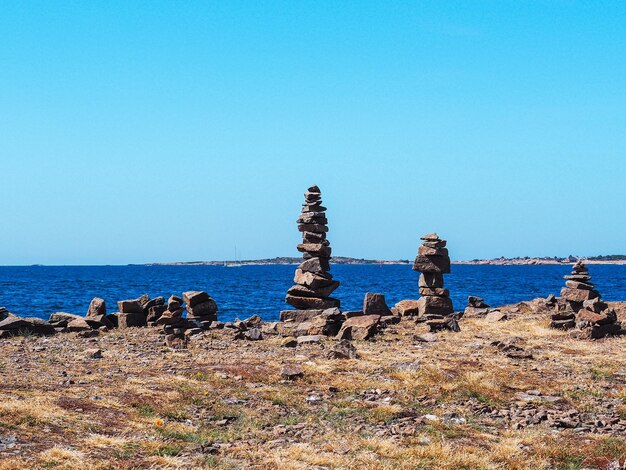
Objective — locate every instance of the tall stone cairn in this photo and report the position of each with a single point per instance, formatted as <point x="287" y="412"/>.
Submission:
<point x="433" y="262"/>
<point x="314" y="283"/>
<point x="580" y="306"/>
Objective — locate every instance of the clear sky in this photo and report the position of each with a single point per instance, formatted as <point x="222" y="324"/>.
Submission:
<point x="164" y="131"/>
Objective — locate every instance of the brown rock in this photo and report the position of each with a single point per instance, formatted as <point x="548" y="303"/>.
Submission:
<point x="311" y="302"/>
<point x="130" y="306"/>
<point x="315" y="265"/>
<point x="438" y="291"/>
<point x="407" y="308"/>
<point x="495" y="316"/>
<point x="343" y="350"/>
<point x="78" y="324"/>
<point x="374" y="304"/>
<point x="432" y="264"/>
<point x="430" y="251"/>
<point x="292" y="372"/>
<point x="578" y="295"/>
<point x="312" y="280"/>
<point x="430" y="280"/>
<point x="315" y="249"/>
<point x="193" y="298"/>
<point x="360" y="328"/>
<point x="208" y="307"/>
<point x="435" y="305"/>
<point x="97" y="307"/>
<point x="304" y="291"/>
<point x="128" y="320"/>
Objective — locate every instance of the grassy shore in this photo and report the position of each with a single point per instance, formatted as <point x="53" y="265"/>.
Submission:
<point x="402" y="404"/>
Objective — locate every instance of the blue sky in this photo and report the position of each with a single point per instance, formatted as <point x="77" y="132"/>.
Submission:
<point x="165" y="131"/>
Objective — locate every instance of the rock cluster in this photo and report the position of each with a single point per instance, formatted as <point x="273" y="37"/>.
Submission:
<point x="580" y="306"/>
<point x="142" y="311"/>
<point x="476" y="306"/>
<point x="434" y="305"/>
<point x="314" y="283"/>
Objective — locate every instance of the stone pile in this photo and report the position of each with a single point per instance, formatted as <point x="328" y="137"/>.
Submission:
<point x="314" y="283"/>
<point x="580" y="306"/>
<point x="434" y="305"/>
<point x="201" y="309"/>
<point x="476" y="306"/>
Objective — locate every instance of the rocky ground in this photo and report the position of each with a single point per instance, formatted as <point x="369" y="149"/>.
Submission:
<point x="510" y="394"/>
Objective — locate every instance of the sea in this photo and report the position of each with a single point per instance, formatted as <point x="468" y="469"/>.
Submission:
<point x="260" y="289"/>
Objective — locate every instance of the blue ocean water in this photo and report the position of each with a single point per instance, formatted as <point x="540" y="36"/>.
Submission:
<point x="248" y="290"/>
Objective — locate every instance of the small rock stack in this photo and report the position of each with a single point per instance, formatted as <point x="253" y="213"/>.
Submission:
<point x="580" y="305"/>
<point x="201" y="309"/>
<point x="476" y="306"/>
<point x="314" y="283"/>
<point x="435" y="305"/>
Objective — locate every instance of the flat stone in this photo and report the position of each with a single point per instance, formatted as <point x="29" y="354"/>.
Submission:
<point x="315" y="265"/>
<point x="432" y="264"/>
<point x="430" y="251"/>
<point x="312" y="280"/>
<point x="208" y="307"/>
<point x="495" y="316"/>
<point x="578" y="295"/>
<point x="63" y="318"/>
<point x="431" y="237"/>
<point x="310" y="339"/>
<point x="130" y="306"/>
<point x="320" y="292"/>
<point x="359" y="328"/>
<point x="78" y="324"/>
<point x="426" y="338"/>
<point x="439" y="291"/>
<point x="193" y="298"/>
<point x="579" y="285"/>
<point x="315" y="249"/>
<point x="311" y="302"/>
<point x="315" y="228"/>
<point x="299" y="315"/>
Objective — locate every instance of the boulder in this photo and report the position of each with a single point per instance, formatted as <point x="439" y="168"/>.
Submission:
<point x="304" y="291"/>
<point x="578" y="295"/>
<point x="156" y="302"/>
<point x="62" y="318"/>
<point x="18" y="325"/>
<point x="374" y="304"/>
<point x="78" y="324"/>
<point x="130" y="306"/>
<point x="407" y="308"/>
<point x="435" y="305"/>
<point x="128" y="320"/>
<point x="174" y="303"/>
<point x="97" y="307"/>
<point x="360" y="328"/>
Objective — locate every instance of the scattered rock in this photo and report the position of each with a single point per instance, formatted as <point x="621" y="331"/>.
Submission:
<point x="292" y="372"/>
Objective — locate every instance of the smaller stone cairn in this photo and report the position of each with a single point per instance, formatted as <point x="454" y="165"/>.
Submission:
<point x="201" y="309"/>
<point x="476" y="306"/>
<point x="434" y="305"/>
<point x="580" y="306"/>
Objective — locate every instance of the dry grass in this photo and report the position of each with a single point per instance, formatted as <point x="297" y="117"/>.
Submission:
<point x="223" y="404"/>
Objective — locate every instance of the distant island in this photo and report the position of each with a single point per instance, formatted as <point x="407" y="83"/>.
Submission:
<point x="526" y="260"/>
<point x="279" y="260"/>
<point x="502" y="261"/>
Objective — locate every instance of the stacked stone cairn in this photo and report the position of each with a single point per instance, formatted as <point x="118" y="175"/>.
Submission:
<point x="314" y="283"/>
<point x="317" y="312"/>
<point x="434" y="305"/>
<point x="580" y="306"/>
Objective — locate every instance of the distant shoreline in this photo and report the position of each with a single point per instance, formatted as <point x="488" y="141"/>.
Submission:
<point x="526" y="261"/>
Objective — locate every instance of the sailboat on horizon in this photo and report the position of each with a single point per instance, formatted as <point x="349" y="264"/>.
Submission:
<point x="235" y="264"/>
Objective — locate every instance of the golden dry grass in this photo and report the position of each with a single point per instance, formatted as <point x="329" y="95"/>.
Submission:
<point x="223" y="404"/>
